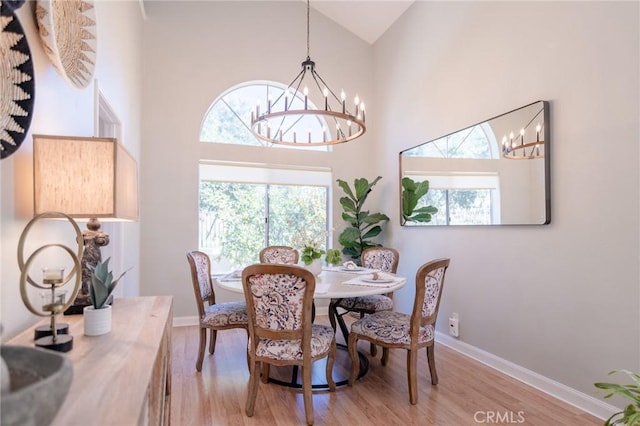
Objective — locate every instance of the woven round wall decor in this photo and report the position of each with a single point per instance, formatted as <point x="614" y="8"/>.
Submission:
<point x="17" y="86"/>
<point x="14" y="4"/>
<point x="69" y="36"/>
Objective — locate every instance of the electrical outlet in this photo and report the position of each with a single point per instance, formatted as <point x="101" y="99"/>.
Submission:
<point x="454" y="325"/>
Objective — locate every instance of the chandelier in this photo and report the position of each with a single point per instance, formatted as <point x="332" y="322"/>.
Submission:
<point x="292" y="119"/>
<point x="515" y="147"/>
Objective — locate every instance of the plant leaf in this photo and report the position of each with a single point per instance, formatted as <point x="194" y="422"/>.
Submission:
<point x="345" y="187"/>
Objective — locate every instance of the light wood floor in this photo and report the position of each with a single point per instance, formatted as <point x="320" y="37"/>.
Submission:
<point x="468" y="393"/>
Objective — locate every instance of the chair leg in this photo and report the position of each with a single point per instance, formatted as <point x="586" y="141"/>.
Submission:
<point x="385" y="356"/>
<point x="212" y="341"/>
<point x="330" y="359"/>
<point x="265" y="372"/>
<point x="252" y="389"/>
<point x="355" y="360"/>
<point x="373" y="350"/>
<point x="432" y="364"/>
<point x="203" y="342"/>
<point x="412" y="365"/>
<point x="306" y="393"/>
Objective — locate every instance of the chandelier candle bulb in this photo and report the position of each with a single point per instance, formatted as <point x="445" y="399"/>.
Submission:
<point x="325" y="92"/>
<point x="306" y="96"/>
<point x="538" y="128"/>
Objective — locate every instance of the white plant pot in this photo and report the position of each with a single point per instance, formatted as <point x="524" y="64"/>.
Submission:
<point x="97" y="321"/>
<point x="315" y="267"/>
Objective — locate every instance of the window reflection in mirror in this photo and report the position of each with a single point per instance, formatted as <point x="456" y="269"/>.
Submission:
<point x="492" y="173"/>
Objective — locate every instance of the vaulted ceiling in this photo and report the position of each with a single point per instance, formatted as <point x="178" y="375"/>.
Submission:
<point x="367" y="19"/>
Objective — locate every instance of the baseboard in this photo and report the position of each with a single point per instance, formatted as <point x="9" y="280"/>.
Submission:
<point x="185" y="321"/>
<point x="585" y="402"/>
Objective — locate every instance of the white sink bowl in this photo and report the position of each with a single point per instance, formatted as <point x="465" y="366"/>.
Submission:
<point x="39" y="382"/>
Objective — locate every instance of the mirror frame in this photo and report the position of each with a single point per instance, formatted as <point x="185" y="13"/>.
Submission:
<point x="546" y="135"/>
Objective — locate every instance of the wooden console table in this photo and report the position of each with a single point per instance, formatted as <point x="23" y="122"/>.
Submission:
<point x="122" y="377"/>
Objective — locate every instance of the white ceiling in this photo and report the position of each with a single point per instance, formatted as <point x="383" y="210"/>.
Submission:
<point x="368" y="19"/>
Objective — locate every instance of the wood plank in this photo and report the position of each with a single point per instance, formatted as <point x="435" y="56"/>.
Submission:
<point x="112" y="372"/>
<point x="466" y="389"/>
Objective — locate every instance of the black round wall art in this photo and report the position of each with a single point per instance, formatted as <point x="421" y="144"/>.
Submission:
<point x="17" y="85"/>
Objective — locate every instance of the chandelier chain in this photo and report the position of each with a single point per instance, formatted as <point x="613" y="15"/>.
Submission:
<point x="308" y="29"/>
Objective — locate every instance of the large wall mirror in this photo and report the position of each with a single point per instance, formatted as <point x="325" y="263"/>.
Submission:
<point x="492" y="173"/>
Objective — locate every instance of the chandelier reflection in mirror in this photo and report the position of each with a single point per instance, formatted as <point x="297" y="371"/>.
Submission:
<point x="292" y="119"/>
<point x="514" y="146"/>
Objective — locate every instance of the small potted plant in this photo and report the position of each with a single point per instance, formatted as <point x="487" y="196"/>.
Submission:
<point x="333" y="257"/>
<point x="311" y="256"/>
<point x="97" y="317"/>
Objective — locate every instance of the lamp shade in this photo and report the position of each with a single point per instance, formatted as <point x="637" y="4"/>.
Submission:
<point x="84" y="178"/>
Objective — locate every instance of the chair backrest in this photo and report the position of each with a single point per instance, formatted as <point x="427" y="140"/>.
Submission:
<point x="200" y="265"/>
<point x="279" y="302"/>
<point x="279" y="254"/>
<point x="382" y="258"/>
<point x="429" y="283"/>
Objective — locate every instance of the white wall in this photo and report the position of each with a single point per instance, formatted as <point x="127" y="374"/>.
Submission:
<point x="63" y="110"/>
<point x="563" y="299"/>
<point x="193" y="52"/>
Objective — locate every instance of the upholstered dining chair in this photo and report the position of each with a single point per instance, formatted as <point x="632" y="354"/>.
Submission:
<point x="279" y="254"/>
<point x="212" y="316"/>
<point x="384" y="259"/>
<point x="411" y="332"/>
<point x="279" y="304"/>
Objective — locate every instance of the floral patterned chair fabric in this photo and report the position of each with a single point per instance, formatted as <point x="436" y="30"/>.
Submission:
<point x="410" y="332"/>
<point x="279" y="254"/>
<point x="383" y="259"/>
<point x="213" y="316"/>
<point x="279" y="302"/>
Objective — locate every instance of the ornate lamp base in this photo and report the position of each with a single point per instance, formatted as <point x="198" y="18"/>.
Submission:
<point x="63" y="343"/>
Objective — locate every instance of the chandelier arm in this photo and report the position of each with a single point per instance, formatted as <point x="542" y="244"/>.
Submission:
<point x="300" y="75"/>
<point x="292" y="125"/>
<point x="315" y="74"/>
<point x="531" y="121"/>
<point x="297" y="78"/>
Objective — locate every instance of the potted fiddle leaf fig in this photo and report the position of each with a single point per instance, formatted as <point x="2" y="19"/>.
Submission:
<point x="97" y="317"/>
<point x="363" y="225"/>
<point x="412" y="192"/>
<point x="630" y="416"/>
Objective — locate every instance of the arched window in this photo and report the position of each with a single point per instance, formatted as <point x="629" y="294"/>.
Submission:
<point x="477" y="142"/>
<point x="228" y="119"/>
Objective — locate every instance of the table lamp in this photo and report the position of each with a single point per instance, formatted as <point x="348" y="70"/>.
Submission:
<point x="87" y="178"/>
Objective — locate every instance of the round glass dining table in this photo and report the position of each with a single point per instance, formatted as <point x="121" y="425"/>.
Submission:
<point x="333" y="283"/>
